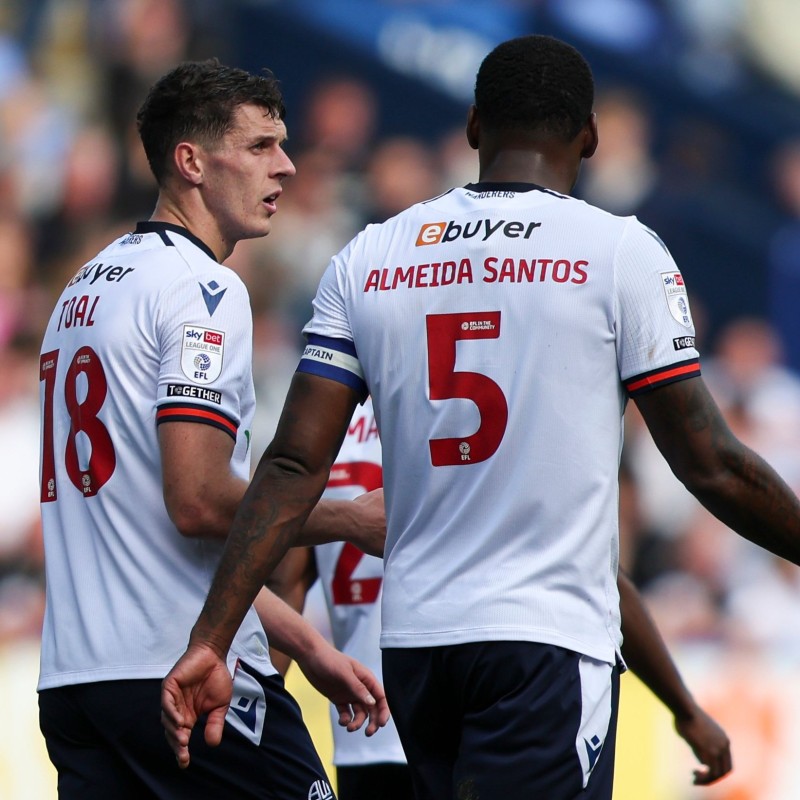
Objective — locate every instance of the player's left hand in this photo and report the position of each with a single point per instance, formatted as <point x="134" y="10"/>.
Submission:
<point x="710" y="744"/>
<point x="199" y="683"/>
<point x="350" y="686"/>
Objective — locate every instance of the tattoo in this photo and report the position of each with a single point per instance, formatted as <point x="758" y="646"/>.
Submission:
<point x="731" y="480"/>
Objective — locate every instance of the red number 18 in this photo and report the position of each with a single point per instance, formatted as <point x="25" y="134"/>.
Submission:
<point x="83" y="418"/>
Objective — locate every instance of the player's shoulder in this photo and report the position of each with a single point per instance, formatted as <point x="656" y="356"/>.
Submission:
<point x="627" y="230"/>
<point x="598" y="215"/>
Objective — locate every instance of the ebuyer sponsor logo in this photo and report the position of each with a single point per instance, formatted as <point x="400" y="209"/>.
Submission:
<point x="441" y="232"/>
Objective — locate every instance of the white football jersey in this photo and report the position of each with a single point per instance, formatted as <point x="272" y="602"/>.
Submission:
<point x="351" y="584"/>
<point x="151" y="329"/>
<point x="500" y="329"/>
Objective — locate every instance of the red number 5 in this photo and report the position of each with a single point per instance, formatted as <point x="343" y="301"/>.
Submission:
<point x="444" y="330"/>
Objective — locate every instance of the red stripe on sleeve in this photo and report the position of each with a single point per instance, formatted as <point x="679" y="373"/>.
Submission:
<point x="201" y="415"/>
<point x="667" y="374"/>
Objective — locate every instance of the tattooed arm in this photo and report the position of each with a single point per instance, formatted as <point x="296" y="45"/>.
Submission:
<point x="727" y="477"/>
<point x="285" y="488"/>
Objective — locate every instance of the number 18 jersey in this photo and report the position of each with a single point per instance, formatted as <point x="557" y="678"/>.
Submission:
<point x="500" y="329"/>
<point x="151" y="330"/>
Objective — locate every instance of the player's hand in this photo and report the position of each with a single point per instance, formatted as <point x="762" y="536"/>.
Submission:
<point x="349" y="685"/>
<point x="710" y="744"/>
<point x="198" y="684"/>
<point x="369" y="534"/>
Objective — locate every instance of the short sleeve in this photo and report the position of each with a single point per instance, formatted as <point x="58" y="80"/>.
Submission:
<point x="205" y="335"/>
<point x="654" y="326"/>
<point x="330" y="350"/>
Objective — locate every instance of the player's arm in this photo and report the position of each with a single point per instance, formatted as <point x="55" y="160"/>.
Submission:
<point x="290" y="581"/>
<point x="648" y="657"/>
<point x="288" y="482"/>
<point x="200" y="491"/>
<point x="734" y="483"/>
<point x="202" y="494"/>
<point x="361" y="521"/>
<point x="335" y="675"/>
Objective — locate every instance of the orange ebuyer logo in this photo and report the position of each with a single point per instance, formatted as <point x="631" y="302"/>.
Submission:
<point x="431" y="233"/>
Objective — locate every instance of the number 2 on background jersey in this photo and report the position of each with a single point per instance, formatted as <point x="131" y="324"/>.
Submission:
<point x="345" y="590"/>
<point x="83" y="418"/>
<point x="443" y="331"/>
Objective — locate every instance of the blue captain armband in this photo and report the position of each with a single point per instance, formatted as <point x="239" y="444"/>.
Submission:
<point x="335" y="359"/>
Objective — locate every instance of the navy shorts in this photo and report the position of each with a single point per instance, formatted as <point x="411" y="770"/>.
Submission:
<point x="106" y="741"/>
<point x="386" y="781"/>
<point x="504" y="721"/>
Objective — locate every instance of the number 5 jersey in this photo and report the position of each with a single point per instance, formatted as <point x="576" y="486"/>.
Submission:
<point x="500" y="329"/>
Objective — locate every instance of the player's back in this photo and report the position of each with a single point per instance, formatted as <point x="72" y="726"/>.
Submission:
<point x="123" y="586"/>
<point x="489" y="328"/>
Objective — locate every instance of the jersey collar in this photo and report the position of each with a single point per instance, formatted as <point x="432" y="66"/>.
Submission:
<point x="162" y="227"/>
<point x="510" y="186"/>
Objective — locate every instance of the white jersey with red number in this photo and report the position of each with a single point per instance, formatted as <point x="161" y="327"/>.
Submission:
<point x="152" y="329"/>
<point x="500" y="329"/>
<point x="351" y="584"/>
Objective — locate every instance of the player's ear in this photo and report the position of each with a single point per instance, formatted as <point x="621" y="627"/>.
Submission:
<point x="473" y="127"/>
<point x="590" y="136"/>
<point x="188" y="162"/>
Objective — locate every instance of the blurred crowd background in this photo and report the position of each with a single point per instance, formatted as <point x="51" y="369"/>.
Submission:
<point x="698" y="106"/>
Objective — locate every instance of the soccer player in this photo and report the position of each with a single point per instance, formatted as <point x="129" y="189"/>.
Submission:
<point x="147" y="399"/>
<point x="351" y="586"/>
<point x="500" y="329"/>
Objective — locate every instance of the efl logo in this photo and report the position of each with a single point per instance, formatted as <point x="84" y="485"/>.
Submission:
<point x="212" y="337"/>
<point x="431" y="233"/>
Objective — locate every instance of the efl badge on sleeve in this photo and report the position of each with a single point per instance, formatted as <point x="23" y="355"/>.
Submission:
<point x="201" y="354"/>
<point x="677" y="299"/>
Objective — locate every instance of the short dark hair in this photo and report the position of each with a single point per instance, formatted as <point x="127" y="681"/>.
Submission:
<point x="196" y="101"/>
<point x="537" y="84"/>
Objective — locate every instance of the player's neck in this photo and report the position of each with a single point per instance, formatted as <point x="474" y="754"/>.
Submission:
<point x="526" y="166"/>
<point x="203" y="228"/>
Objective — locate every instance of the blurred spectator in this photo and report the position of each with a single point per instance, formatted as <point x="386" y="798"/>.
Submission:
<point x="35" y="136"/>
<point x="137" y="41"/>
<point x="764" y="610"/>
<point x="401" y="172"/>
<point x="747" y="376"/>
<point x="21" y="555"/>
<point x="16" y="263"/>
<point x="784" y="252"/>
<point x="456" y="159"/>
<point x="622" y="174"/>
<point x="712" y="59"/>
<point x="340" y="118"/>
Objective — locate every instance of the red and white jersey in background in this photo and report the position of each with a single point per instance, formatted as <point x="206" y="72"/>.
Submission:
<point x="152" y="329"/>
<point x="351" y="585"/>
<point x="500" y="329"/>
